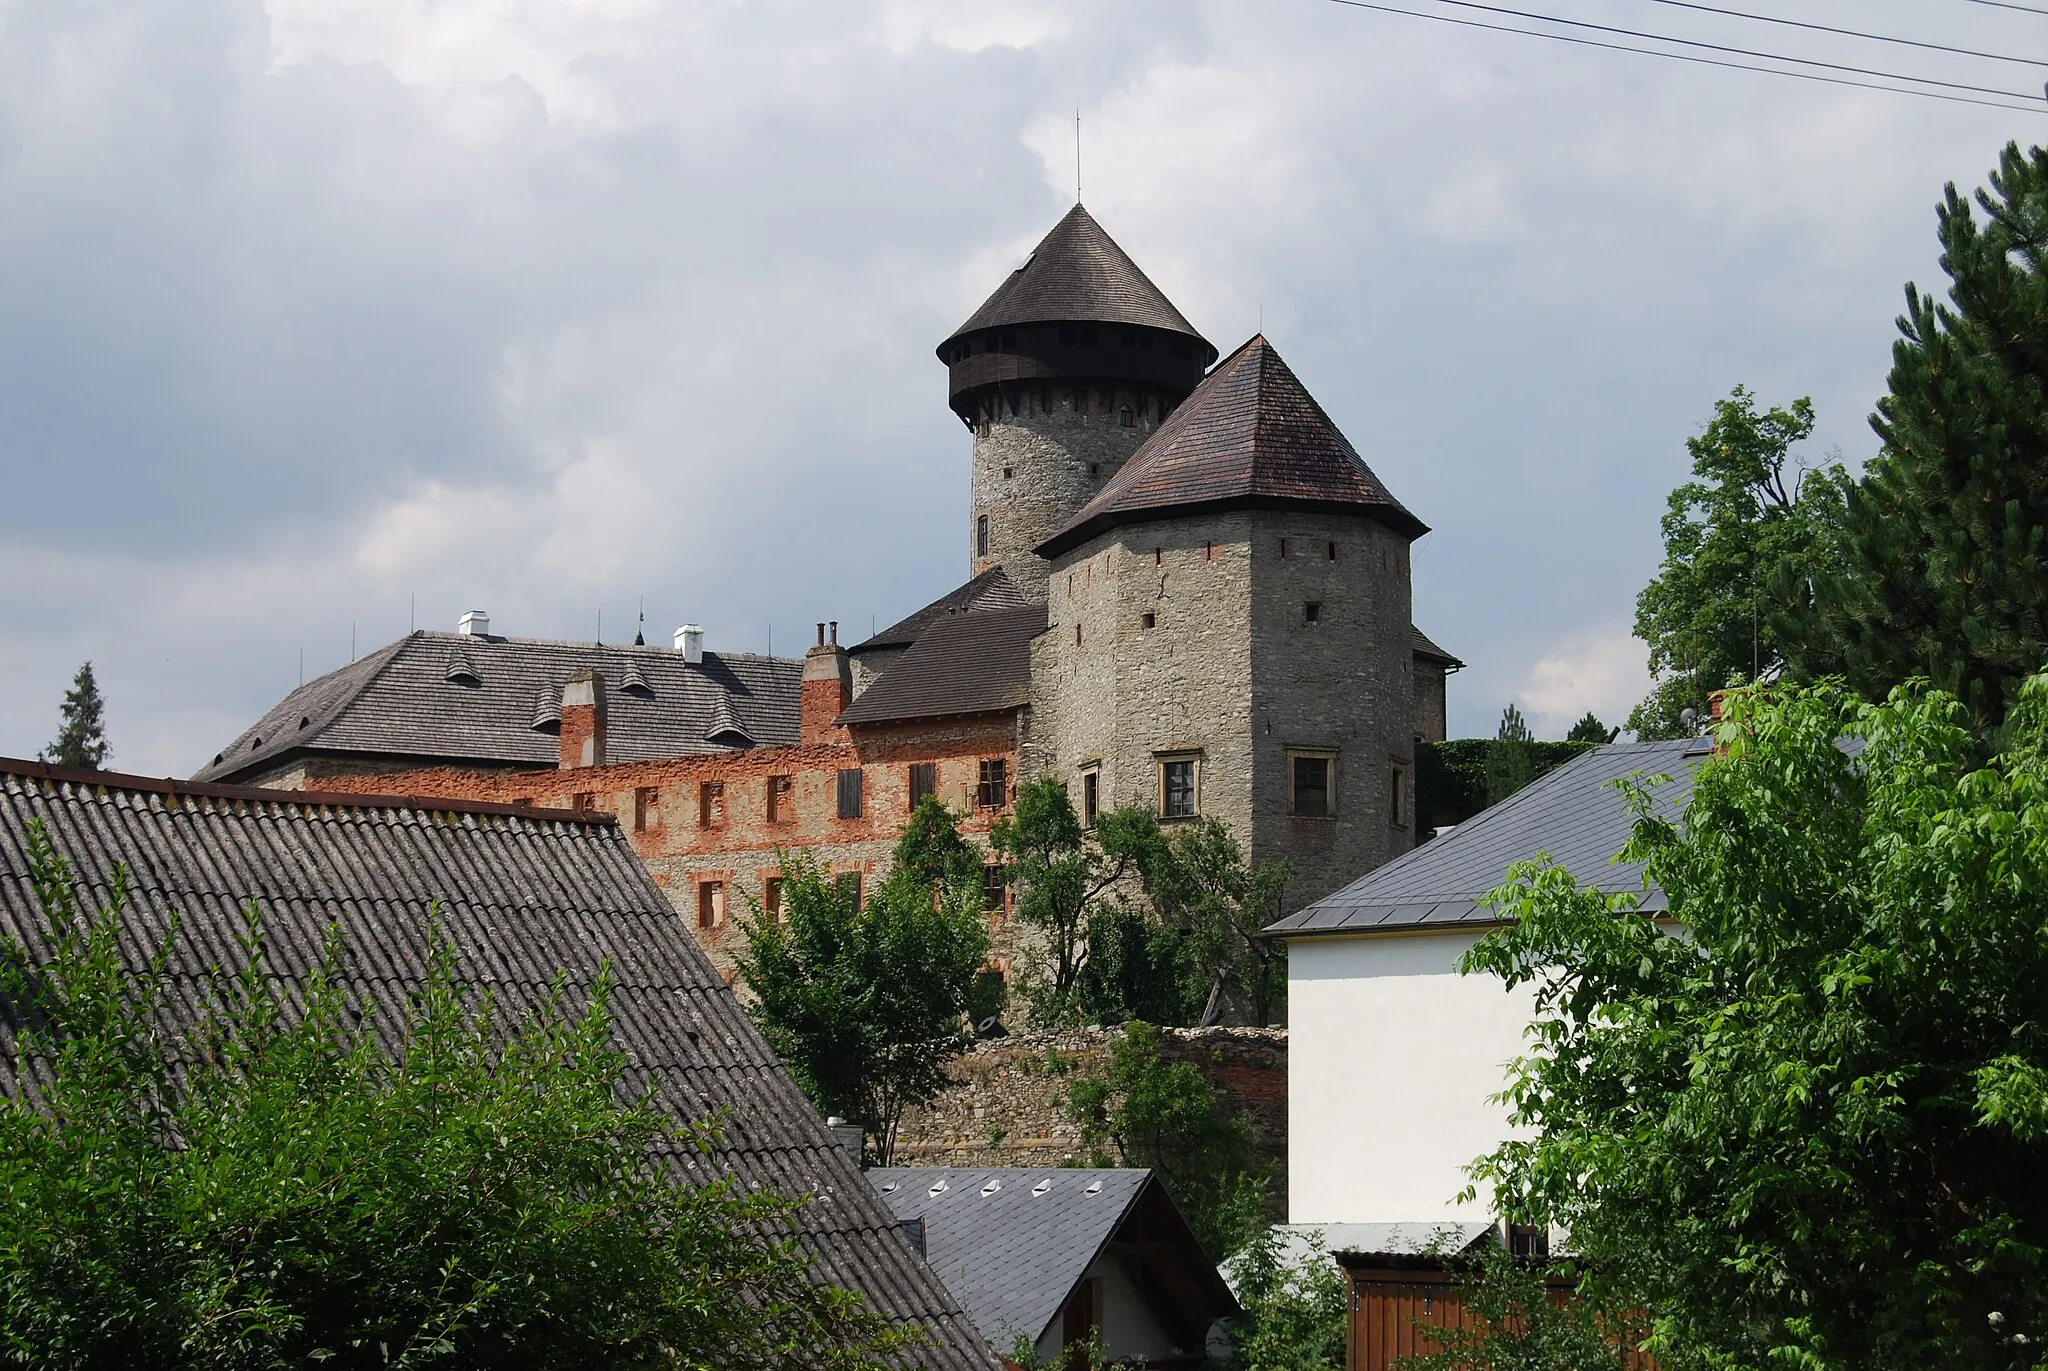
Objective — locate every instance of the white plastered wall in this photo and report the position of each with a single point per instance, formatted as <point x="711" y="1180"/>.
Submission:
<point x="1392" y="1056"/>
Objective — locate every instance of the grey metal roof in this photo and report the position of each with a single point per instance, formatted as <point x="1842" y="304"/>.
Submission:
<point x="976" y="663"/>
<point x="993" y="589"/>
<point x="1078" y="274"/>
<point x="525" y="894"/>
<point x="1011" y="1242"/>
<point x="1574" y="814"/>
<point x="409" y="700"/>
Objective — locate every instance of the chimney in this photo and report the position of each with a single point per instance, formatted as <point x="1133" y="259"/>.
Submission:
<point x="828" y="688"/>
<point x="583" y="721"/>
<point x="475" y="624"/>
<point x="690" y="642"/>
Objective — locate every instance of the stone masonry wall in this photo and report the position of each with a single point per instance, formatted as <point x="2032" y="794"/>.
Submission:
<point x="1004" y="1107"/>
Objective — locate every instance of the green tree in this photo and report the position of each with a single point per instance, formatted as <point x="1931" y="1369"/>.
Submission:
<point x="1149" y="1112"/>
<point x="275" y="1177"/>
<point x="82" y="739"/>
<point x="867" y="1002"/>
<point x="1201" y="883"/>
<point x="1138" y="967"/>
<point x="1812" y="1131"/>
<point x="1509" y="766"/>
<point x="1514" y="1322"/>
<point x="1742" y="540"/>
<point x="1061" y="874"/>
<point x="1295" y="1306"/>
<point x="1590" y="730"/>
<point x="1942" y="573"/>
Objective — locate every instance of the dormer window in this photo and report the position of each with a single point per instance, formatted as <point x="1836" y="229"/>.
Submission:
<point x="461" y="673"/>
<point x="634" y="684"/>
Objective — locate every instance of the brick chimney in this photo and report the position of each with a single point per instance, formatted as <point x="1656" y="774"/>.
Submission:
<point x="828" y="688"/>
<point x="583" y="721"/>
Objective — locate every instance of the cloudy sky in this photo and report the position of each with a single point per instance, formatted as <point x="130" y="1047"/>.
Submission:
<point x="317" y="315"/>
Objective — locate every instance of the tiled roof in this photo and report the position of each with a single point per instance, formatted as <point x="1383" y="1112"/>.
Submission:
<point x="1574" y="814"/>
<point x="1012" y="1242"/>
<point x="1428" y="650"/>
<point x="966" y="664"/>
<point x="993" y="589"/>
<point x="1078" y="274"/>
<point x="525" y="895"/>
<point x="473" y="699"/>
<point x="1251" y="436"/>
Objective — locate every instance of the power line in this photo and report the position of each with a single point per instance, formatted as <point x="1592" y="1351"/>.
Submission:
<point x="1734" y="51"/>
<point x="1687" y="57"/>
<point x="2008" y="5"/>
<point x="1851" y="33"/>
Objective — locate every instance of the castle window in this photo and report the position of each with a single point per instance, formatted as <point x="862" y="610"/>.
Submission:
<point x="1124" y="417"/>
<point x="1283" y="547"/>
<point x="1008" y="472"/>
<point x="1148" y="619"/>
<point x="1158" y="556"/>
<point x="646" y="808"/>
<point x="981" y="536"/>
<point x="1095" y="468"/>
<point x="849" y="793"/>
<point x="1091" y="796"/>
<point x="994" y="790"/>
<point x="1311" y="788"/>
<point x="1397" y="795"/>
<point x="710" y="904"/>
<point x="771" y="898"/>
<point x="1312" y="611"/>
<point x="924" y="781"/>
<point x="711" y="804"/>
<point x="1333" y="552"/>
<point x="1077" y="635"/>
<point x="1179" y="787"/>
<point x="781" y="802"/>
<point x="1208" y="552"/>
<point x="993" y="887"/>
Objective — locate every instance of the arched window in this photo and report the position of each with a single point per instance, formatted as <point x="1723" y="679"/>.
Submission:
<point x="1124" y="418"/>
<point x="981" y="536"/>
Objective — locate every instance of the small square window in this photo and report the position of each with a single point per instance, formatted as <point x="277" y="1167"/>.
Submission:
<point x="1095" y="468"/>
<point x="1091" y="797"/>
<point x="1149" y="619"/>
<point x="1312" y="612"/>
<point x="711" y="904"/>
<point x="1008" y="472"/>
<point x="850" y="793"/>
<point x="583" y="799"/>
<point x="924" y="781"/>
<point x="1308" y="786"/>
<point x="781" y="800"/>
<point x="1178" y="797"/>
<point x="993" y="791"/>
<point x="711" y="804"/>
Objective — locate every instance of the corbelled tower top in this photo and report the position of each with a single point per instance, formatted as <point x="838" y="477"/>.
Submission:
<point x="1076" y="307"/>
<point x="1074" y="361"/>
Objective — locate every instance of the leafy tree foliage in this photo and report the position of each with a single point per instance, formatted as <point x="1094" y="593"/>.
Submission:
<point x="1509" y="766"/>
<point x="1138" y="967"/>
<point x="1294" y="1309"/>
<point x="1149" y="1112"/>
<point x="1202" y="884"/>
<point x="271" y="1185"/>
<point x="1590" y="730"/>
<point x="1517" y="1324"/>
<point x="1061" y="874"/>
<point x="1743" y="538"/>
<point x="867" y="1002"/>
<point x="82" y="738"/>
<point x="1812" y="1131"/>
<point x="1948" y="528"/>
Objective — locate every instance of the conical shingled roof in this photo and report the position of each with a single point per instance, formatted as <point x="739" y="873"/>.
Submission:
<point x="1078" y="274"/>
<point x="1251" y="436"/>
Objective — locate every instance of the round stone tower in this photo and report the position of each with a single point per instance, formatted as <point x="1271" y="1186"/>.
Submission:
<point x="1061" y="374"/>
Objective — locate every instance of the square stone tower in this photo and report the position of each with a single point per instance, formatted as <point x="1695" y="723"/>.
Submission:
<point x="1229" y="634"/>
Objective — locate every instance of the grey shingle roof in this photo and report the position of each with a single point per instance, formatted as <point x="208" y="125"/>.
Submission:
<point x="1428" y="650"/>
<point x="965" y="664"/>
<point x="1573" y="813"/>
<point x="525" y="893"/>
<point x="1250" y="436"/>
<point x="993" y="589"/>
<point x="403" y="700"/>
<point x="1011" y="1242"/>
<point x="1078" y="274"/>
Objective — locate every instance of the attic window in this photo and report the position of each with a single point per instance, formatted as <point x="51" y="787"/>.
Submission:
<point x="304" y="724"/>
<point x="635" y="684"/>
<point x="255" y="743"/>
<point x="1041" y="1187"/>
<point x="1123" y="419"/>
<point x="991" y="1188"/>
<point x="461" y="673"/>
<point x="547" y="710"/>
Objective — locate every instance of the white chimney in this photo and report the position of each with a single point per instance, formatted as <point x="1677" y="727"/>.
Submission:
<point x="475" y="624"/>
<point x="690" y="642"/>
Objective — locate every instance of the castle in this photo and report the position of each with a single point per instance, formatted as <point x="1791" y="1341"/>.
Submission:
<point x="1187" y="590"/>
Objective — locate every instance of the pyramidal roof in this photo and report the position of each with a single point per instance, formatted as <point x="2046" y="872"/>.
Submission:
<point x="1077" y="274"/>
<point x="1251" y="436"/>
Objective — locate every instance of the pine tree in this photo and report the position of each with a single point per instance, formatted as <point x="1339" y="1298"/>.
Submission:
<point x="82" y="741"/>
<point x="1946" y="530"/>
<point x="1590" y="730"/>
<point x="1509" y="766"/>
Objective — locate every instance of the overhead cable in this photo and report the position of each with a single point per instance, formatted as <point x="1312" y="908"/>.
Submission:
<point x="1851" y="33"/>
<point x="1734" y="51"/>
<point x="2008" y="5"/>
<point x="2035" y="108"/>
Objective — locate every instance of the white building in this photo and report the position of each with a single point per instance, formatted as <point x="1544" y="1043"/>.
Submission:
<point x="1394" y="1056"/>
